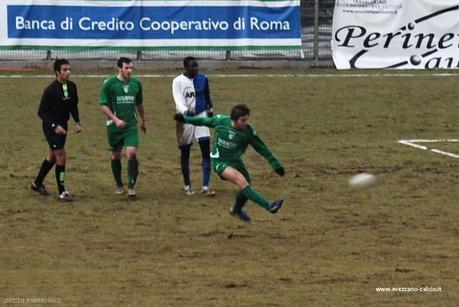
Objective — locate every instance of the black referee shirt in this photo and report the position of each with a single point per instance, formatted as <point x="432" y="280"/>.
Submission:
<point x="57" y="104"/>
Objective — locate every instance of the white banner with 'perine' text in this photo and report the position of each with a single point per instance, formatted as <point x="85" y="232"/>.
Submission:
<point x="402" y="34"/>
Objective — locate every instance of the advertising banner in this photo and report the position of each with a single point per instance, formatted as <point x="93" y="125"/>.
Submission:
<point x="402" y="34"/>
<point x="156" y="24"/>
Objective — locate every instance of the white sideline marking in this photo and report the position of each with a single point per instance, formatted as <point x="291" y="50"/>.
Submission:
<point x="412" y="143"/>
<point x="445" y="153"/>
<point x="152" y="76"/>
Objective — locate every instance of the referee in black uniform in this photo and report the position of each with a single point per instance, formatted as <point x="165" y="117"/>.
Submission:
<point x="59" y="100"/>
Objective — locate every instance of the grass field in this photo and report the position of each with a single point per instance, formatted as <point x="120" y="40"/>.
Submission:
<point x="329" y="245"/>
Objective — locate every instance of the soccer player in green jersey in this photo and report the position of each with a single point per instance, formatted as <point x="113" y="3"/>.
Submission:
<point x="232" y="136"/>
<point x="121" y="99"/>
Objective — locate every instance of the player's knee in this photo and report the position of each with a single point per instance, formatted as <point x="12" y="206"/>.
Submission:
<point x="131" y="153"/>
<point x="59" y="153"/>
<point x="116" y="155"/>
<point x="51" y="157"/>
<point x="242" y="182"/>
<point x="60" y="156"/>
<point x="243" y="185"/>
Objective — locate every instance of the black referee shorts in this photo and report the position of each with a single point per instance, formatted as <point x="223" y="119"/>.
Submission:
<point x="55" y="141"/>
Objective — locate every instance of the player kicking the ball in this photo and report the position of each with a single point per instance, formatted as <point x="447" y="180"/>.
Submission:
<point x="232" y="136"/>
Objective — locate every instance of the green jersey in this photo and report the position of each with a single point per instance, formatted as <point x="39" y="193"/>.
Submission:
<point x="122" y="98"/>
<point x="230" y="143"/>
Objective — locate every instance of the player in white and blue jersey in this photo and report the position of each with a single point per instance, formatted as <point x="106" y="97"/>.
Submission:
<point x="192" y="97"/>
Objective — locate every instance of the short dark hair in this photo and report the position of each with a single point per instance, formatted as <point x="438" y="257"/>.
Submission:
<point x="58" y="63"/>
<point x="122" y="60"/>
<point x="238" y="111"/>
<point x="188" y="60"/>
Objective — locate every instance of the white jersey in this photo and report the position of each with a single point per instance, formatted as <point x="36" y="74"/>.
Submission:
<point x="184" y="94"/>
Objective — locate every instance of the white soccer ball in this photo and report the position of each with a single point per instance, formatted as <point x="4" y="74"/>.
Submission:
<point x="362" y="180"/>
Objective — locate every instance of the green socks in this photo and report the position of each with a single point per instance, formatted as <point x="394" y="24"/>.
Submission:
<point x="254" y="196"/>
<point x="133" y="171"/>
<point x="60" y="177"/>
<point x="116" y="170"/>
<point x="240" y="201"/>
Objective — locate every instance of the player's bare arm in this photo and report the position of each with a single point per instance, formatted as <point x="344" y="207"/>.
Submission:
<point x="120" y="124"/>
<point x="143" y="124"/>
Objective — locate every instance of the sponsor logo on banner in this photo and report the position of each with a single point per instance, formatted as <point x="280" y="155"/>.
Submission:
<point x="395" y="34"/>
<point x="159" y="24"/>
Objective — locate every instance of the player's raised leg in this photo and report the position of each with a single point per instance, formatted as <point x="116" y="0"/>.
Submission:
<point x="234" y="176"/>
<point x="238" y="179"/>
<point x="241" y="199"/>
<point x="246" y="190"/>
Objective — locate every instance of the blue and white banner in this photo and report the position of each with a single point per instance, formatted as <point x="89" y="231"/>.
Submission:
<point x="402" y="34"/>
<point x="155" y="24"/>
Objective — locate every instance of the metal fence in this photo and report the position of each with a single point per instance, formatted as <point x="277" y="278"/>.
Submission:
<point x="316" y="20"/>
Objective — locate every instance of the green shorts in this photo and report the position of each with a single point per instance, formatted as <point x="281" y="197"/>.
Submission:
<point x="128" y="137"/>
<point x="219" y="166"/>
